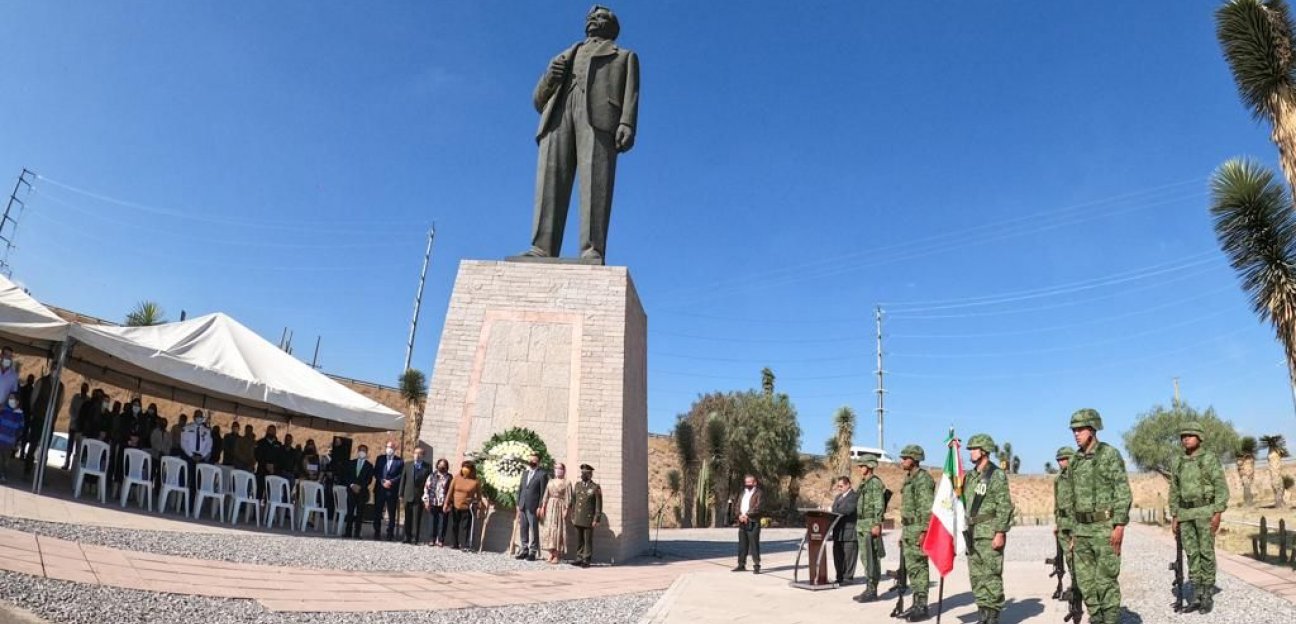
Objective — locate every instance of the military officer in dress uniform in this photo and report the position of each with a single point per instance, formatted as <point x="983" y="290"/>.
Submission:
<point x="1063" y="508"/>
<point x="916" y="497"/>
<point x="1101" y="498"/>
<point x="585" y="510"/>
<point x="870" y="509"/>
<point x="989" y="516"/>
<point x="1199" y="495"/>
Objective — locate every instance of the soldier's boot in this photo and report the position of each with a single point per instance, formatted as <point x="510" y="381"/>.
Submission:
<point x="918" y="611"/>
<point x="981" y="615"/>
<point x="991" y="617"/>
<point x="1195" y="603"/>
<point x="1207" y="603"/>
<point x="868" y="595"/>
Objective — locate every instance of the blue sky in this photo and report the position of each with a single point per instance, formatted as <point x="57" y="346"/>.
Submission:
<point x="1021" y="185"/>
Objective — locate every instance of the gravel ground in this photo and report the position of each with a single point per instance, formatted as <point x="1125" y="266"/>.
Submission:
<point x="281" y="550"/>
<point x="62" y="602"/>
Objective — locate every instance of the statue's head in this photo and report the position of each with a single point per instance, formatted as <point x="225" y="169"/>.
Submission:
<point x="602" y="22"/>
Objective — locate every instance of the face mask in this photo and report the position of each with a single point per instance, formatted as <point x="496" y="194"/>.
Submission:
<point x="533" y="463"/>
<point x="463" y="472"/>
<point x="751" y="487"/>
<point x="199" y="421"/>
<point x="6" y="362"/>
<point x="560" y="473"/>
<point x="418" y="459"/>
<point x="390" y="451"/>
<point x="13" y="403"/>
<point x="135" y="409"/>
<point x="152" y="412"/>
<point x="362" y="455"/>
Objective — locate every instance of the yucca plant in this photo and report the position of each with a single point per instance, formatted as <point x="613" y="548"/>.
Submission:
<point x="686" y="450"/>
<point x="1246" y="468"/>
<point x="146" y="313"/>
<point x="1256" y="38"/>
<point x="413" y="389"/>
<point x="839" y="446"/>
<point x="1277" y="450"/>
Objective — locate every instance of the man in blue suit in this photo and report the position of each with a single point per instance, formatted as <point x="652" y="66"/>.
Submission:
<point x="387" y="482"/>
<point x="356" y="476"/>
<point x="530" y="493"/>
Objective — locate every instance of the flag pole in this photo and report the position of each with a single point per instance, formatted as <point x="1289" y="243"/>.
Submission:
<point x="940" y="591"/>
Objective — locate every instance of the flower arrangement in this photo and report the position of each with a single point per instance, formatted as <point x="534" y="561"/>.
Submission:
<point x="503" y="460"/>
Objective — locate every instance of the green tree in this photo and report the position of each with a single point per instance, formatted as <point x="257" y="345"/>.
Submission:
<point x="1049" y="468"/>
<point x="413" y="389"/>
<point x="1005" y="457"/>
<point x="1256" y="228"/>
<point x="1256" y="38"/>
<point x="686" y="450"/>
<point x="1154" y="438"/>
<point x="146" y="313"/>
<point x="838" y="447"/>
<point x="716" y="465"/>
<point x="674" y="486"/>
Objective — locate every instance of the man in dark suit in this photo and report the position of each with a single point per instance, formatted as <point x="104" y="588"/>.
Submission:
<point x="356" y="475"/>
<point x="588" y="102"/>
<point x="845" y="544"/>
<point x="749" y="524"/>
<point x="530" y="492"/>
<point x="387" y="476"/>
<point x="411" y="495"/>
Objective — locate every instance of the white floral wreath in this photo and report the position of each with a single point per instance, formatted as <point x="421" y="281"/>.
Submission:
<point x="504" y="464"/>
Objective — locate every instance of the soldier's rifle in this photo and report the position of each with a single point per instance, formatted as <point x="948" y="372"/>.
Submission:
<point x="1075" y="606"/>
<point x="901" y="584"/>
<point x="1059" y="570"/>
<point x="1177" y="567"/>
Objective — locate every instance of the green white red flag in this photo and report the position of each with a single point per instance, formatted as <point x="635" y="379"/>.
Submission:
<point x="944" y="538"/>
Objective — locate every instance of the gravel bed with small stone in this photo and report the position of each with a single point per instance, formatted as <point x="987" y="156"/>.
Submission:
<point x="304" y="551"/>
<point x="63" y="602"/>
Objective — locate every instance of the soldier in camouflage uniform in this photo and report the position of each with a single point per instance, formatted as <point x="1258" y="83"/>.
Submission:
<point x="1063" y="507"/>
<point x="1100" y="494"/>
<point x="915" y="510"/>
<point x="871" y="506"/>
<point x="989" y="517"/>
<point x="1198" y="497"/>
<point x="585" y="509"/>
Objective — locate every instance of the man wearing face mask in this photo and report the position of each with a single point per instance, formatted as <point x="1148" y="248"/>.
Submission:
<point x="530" y="492"/>
<point x="585" y="511"/>
<point x="268" y="451"/>
<point x="356" y="475"/>
<point x="749" y="515"/>
<point x="413" y="478"/>
<point x="387" y="472"/>
<point x="196" y="445"/>
<point x="11" y="424"/>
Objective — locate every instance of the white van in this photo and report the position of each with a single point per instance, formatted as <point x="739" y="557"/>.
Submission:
<point x="858" y="452"/>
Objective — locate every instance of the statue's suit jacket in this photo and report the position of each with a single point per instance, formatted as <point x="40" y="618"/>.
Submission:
<point x="612" y="90"/>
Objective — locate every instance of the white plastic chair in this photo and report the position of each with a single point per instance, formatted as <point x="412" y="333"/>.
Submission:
<point x="175" y="480"/>
<point x="278" y="499"/>
<point x="244" y="492"/>
<point x="93" y="461"/>
<point x="211" y="486"/>
<point x="311" y="495"/>
<point x="340" y="493"/>
<point x="138" y="472"/>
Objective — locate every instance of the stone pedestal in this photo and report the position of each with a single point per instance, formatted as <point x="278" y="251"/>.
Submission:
<point x="560" y="349"/>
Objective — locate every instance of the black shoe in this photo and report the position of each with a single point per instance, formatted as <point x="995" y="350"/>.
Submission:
<point x="1207" y="604"/>
<point x="917" y="613"/>
<point x="981" y="615"/>
<point x="992" y="616"/>
<point x="869" y="595"/>
<point x="755" y="569"/>
<point x="520" y="556"/>
<point x="741" y="568"/>
<point x="585" y="563"/>
<point x="531" y="557"/>
<point x="575" y="562"/>
<point x="1193" y="604"/>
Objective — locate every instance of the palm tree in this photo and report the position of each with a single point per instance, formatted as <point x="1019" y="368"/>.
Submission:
<point x="767" y="381"/>
<point x="686" y="449"/>
<point x="1256" y="228"/>
<point x="1005" y="456"/>
<point x="1246" y="468"/>
<point x="146" y="313"/>
<point x="414" y="389"/>
<point x="1277" y="447"/>
<point x="1256" y="37"/>
<point x="839" y="446"/>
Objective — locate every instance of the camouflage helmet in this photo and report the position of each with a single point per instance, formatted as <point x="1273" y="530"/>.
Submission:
<point x="1087" y="417"/>
<point x="914" y="452"/>
<point x="1065" y="452"/>
<point x="983" y="442"/>
<point x="868" y="460"/>
<point x="1191" y="428"/>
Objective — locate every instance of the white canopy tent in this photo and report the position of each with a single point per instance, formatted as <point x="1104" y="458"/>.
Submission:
<point x="211" y="361"/>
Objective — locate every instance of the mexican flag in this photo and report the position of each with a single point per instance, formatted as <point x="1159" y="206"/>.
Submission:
<point x="945" y="529"/>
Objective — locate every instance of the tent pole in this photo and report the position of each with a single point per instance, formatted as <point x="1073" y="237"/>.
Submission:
<point x="47" y="429"/>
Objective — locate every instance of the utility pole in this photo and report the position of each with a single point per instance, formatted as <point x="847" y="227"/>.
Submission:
<point x="881" y="390"/>
<point x="9" y="237"/>
<point x="315" y="358"/>
<point x="418" y="300"/>
<point x="1176" y="391"/>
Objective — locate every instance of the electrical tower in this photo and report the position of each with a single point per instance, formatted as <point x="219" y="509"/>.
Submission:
<point x="881" y="390"/>
<point x="418" y="300"/>
<point x="9" y="223"/>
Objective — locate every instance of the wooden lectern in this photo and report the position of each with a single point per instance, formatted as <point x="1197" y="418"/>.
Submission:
<point x="819" y="525"/>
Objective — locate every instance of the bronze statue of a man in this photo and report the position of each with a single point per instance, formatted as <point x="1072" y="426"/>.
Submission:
<point x="588" y="102"/>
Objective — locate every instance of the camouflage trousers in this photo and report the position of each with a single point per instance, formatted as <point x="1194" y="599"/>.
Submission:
<point x="871" y="553"/>
<point x="1064" y="546"/>
<point x="985" y="570"/>
<point x="1199" y="552"/>
<point x="915" y="561"/>
<point x="1097" y="572"/>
